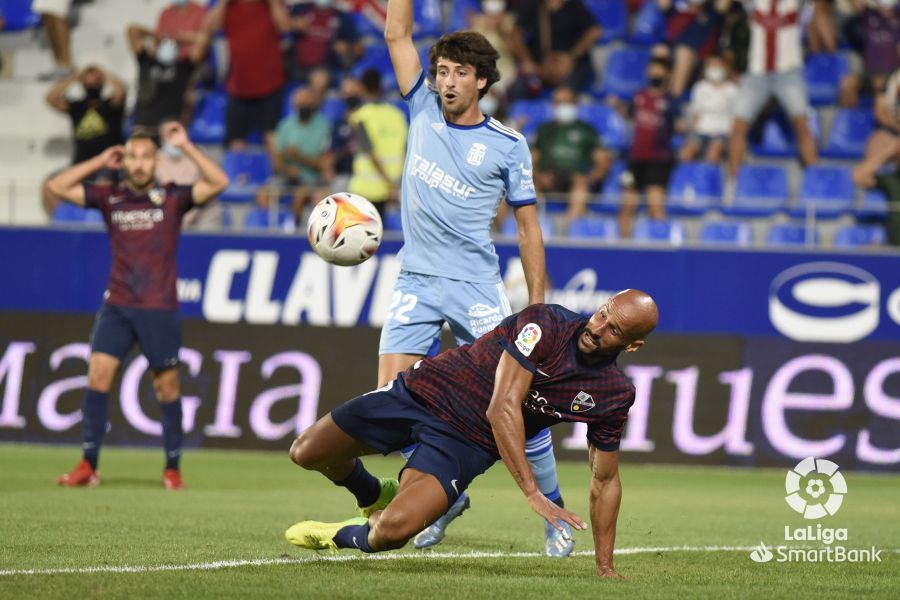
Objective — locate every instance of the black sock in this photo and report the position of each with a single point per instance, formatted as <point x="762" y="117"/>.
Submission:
<point x="172" y="432"/>
<point x="93" y="425"/>
<point x="353" y="536"/>
<point x="361" y="484"/>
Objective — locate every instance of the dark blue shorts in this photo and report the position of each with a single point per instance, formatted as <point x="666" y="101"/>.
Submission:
<point x="390" y="419"/>
<point x="157" y="332"/>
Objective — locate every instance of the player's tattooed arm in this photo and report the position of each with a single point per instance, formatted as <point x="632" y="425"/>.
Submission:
<point x="511" y="384"/>
<point x="606" y="496"/>
<point x="398" y="32"/>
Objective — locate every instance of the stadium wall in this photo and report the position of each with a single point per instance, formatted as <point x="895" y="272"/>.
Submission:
<point x="761" y="358"/>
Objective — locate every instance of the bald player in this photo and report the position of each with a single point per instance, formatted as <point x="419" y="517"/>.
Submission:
<point x="544" y="365"/>
<point x="140" y="303"/>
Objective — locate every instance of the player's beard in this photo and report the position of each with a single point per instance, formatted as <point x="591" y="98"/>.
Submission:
<point x="136" y="185"/>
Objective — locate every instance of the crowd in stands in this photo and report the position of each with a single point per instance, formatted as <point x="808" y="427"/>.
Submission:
<point x="625" y="103"/>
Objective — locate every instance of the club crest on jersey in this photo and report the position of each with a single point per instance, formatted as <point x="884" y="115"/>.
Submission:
<point x="528" y="338"/>
<point x="476" y="154"/>
<point x="583" y="402"/>
<point x="157" y="196"/>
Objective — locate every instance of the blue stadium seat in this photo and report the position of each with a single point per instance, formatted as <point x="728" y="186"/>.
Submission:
<point x="823" y="73"/>
<point x="594" y="228"/>
<point x="730" y="233"/>
<point x="849" y="132"/>
<point x="649" y="25"/>
<point x="376" y="57"/>
<point x="458" y="14"/>
<point x="528" y="115"/>
<point x="333" y="108"/>
<point x="759" y="191"/>
<point x="874" y="206"/>
<point x="428" y="19"/>
<point x="666" y="230"/>
<point x="259" y="218"/>
<point x="612" y="15"/>
<point x="509" y="228"/>
<point x="70" y="214"/>
<point x="18" y="16"/>
<point x="829" y="191"/>
<point x="392" y="221"/>
<point x="778" y="139"/>
<point x="608" y="123"/>
<point x="625" y="72"/>
<point x="694" y="188"/>
<point x="611" y="195"/>
<point x="787" y="234"/>
<point x="855" y="236"/>
<point x="247" y="172"/>
<point x="208" y="124"/>
<point x="365" y="27"/>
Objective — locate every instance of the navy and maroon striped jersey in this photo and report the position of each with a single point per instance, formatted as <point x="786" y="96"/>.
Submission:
<point x="143" y="236"/>
<point x="457" y="385"/>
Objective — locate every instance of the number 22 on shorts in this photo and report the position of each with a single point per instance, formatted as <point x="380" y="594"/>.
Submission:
<point x="400" y="305"/>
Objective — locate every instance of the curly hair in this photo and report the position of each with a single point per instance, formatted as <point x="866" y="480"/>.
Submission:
<point x="467" y="48"/>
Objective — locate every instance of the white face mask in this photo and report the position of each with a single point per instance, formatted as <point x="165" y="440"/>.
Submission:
<point x="716" y="74"/>
<point x="173" y="152"/>
<point x="488" y="105"/>
<point x="493" y="7"/>
<point x="887" y="3"/>
<point x="323" y="3"/>
<point x="565" y="113"/>
<point x="167" y="51"/>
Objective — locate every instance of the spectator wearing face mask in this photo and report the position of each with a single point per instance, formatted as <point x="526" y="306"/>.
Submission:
<point x="497" y="25"/>
<point x="182" y="21"/>
<point x="650" y="160"/>
<point x="343" y="142"/>
<point x="710" y="113"/>
<point x="96" y="119"/>
<point x="303" y="140"/>
<point x="380" y="130"/>
<point x="324" y="37"/>
<point x="163" y="75"/>
<point x="567" y="155"/>
<point x="880" y="28"/>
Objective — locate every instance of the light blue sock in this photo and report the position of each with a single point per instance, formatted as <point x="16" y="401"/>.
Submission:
<point x="539" y="451"/>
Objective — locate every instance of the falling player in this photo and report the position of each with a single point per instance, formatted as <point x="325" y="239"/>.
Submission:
<point x="140" y="303"/>
<point x="474" y="404"/>
<point x="460" y="164"/>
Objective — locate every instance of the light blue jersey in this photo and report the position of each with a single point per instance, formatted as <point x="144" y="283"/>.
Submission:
<point x="454" y="179"/>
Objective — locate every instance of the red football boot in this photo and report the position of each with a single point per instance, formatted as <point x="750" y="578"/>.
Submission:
<point x="82" y="475"/>
<point x="172" y="479"/>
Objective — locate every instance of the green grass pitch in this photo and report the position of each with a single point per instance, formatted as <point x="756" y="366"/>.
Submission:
<point x="239" y="503"/>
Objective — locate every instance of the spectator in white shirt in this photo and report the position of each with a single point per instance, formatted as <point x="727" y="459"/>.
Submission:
<point x="710" y="113"/>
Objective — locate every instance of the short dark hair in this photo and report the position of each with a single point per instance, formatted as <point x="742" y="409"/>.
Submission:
<point x="141" y="132"/>
<point x="371" y="81"/>
<point x="467" y="48"/>
<point x="662" y="62"/>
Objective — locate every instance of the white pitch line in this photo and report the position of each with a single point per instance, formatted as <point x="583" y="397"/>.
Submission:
<point x="263" y="562"/>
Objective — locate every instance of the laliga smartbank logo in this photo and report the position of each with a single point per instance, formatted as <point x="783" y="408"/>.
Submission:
<point x="815" y="488"/>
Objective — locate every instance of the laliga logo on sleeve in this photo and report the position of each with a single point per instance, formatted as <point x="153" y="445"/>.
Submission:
<point x="528" y="338"/>
<point x="824" y="302"/>
<point x="815" y="488"/>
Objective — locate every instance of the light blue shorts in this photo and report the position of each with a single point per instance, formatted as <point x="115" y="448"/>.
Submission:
<point x="789" y="88"/>
<point x="421" y="304"/>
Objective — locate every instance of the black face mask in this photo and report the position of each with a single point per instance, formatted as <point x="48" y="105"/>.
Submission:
<point x="93" y="93"/>
<point x="352" y="102"/>
<point x="657" y="82"/>
<point x="304" y="113"/>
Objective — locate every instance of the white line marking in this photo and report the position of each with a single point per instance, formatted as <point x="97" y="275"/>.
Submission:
<point x="231" y="564"/>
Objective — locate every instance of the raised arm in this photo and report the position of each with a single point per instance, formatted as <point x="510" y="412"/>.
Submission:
<point x="511" y="382"/>
<point x="606" y="495"/>
<point x="136" y="35"/>
<point x="531" y="249"/>
<point x="68" y="184"/>
<point x="56" y="95"/>
<point x="280" y="16"/>
<point x="398" y="32"/>
<point x="212" y="178"/>
<point x="215" y="18"/>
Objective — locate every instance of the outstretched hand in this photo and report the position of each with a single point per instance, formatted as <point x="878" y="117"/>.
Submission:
<point x="111" y="158"/>
<point x="553" y="513"/>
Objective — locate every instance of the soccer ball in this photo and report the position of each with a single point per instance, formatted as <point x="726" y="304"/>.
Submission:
<point x="344" y="229"/>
